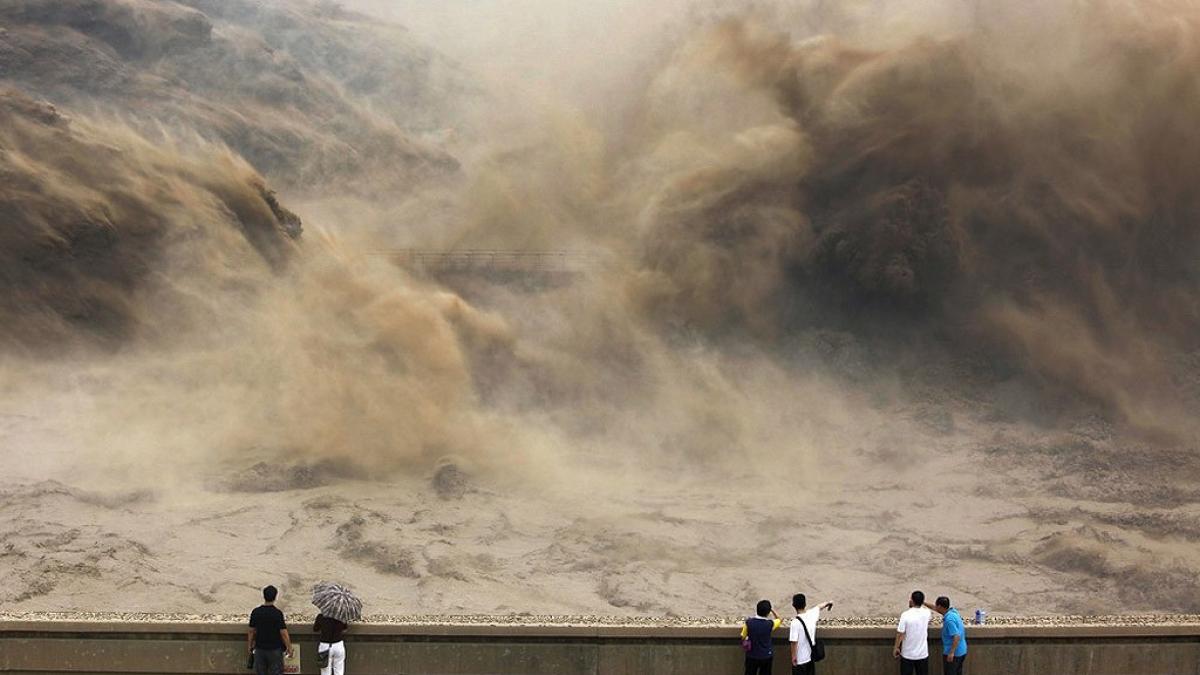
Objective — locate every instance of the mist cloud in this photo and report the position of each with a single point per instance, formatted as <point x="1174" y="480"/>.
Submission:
<point x="961" y="197"/>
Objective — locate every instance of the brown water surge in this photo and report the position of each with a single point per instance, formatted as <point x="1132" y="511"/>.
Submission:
<point x="833" y="269"/>
<point x="1026" y="199"/>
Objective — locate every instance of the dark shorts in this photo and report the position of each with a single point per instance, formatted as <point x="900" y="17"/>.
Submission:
<point x="758" y="666"/>
<point x="268" y="662"/>
<point x="911" y="667"/>
<point x="954" y="667"/>
<point x="809" y="668"/>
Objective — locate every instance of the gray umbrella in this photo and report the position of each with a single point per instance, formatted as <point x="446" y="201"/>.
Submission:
<point x="337" y="602"/>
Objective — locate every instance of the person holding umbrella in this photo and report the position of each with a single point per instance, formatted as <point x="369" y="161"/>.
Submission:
<point x="331" y="649"/>
<point x="338" y="607"/>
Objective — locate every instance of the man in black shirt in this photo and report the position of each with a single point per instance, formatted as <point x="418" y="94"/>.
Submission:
<point x="268" y="637"/>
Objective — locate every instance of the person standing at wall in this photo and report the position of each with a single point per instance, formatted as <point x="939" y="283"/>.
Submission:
<point x="803" y="634"/>
<point x="758" y="630"/>
<point x="329" y="631"/>
<point x="912" y="637"/>
<point x="954" y="637"/>
<point x="268" y="639"/>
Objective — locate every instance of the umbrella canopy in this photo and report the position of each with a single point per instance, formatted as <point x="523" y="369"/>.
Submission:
<point x="337" y="602"/>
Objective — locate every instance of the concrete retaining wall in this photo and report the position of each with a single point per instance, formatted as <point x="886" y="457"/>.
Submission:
<point x="108" y="648"/>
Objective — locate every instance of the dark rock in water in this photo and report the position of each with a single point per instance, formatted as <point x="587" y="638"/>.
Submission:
<point x="288" y="221"/>
<point x="450" y="482"/>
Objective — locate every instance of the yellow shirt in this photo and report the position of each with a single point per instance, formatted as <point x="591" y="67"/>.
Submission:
<point x="774" y="625"/>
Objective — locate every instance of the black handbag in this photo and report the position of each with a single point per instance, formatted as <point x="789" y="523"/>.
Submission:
<point x="250" y="661"/>
<point x="322" y="658"/>
<point x="817" y="646"/>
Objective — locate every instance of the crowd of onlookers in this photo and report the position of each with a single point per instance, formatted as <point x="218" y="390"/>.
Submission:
<point x="268" y="640"/>
<point x="911" y="648"/>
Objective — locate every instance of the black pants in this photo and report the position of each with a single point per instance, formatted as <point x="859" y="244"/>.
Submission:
<point x="268" y="662"/>
<point x="910" y="667"/>
<point x="809" y="668"/>
<point x="758" y="666"/>
<point x="954" y="667"/>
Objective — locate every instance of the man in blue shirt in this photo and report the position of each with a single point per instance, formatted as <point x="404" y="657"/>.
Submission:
<point x="954" y="637"/>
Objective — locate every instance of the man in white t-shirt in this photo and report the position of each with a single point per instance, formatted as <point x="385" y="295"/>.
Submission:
<point x="806" y="620"/>
<point x="912" y="637"/>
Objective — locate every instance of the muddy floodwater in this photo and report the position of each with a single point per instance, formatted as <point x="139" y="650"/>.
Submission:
<point x="643" y="311"/>
<point x="1065" y="525"/>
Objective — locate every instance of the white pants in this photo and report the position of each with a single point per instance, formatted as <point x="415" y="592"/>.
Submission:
<point x="337" y="657"/>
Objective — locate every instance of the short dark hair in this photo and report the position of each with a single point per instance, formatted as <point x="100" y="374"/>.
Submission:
<point x="799" y="601"/>
<point x="269" y="593"/>
<point x="763" y="607"/>
<point x="942" y="601"/>
<point x="918" y="598"/>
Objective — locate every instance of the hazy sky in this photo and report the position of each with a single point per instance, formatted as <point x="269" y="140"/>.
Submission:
<point x="535" y="40"/>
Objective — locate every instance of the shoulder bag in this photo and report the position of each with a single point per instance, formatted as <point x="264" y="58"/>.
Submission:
<point x="817" y="646"/>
